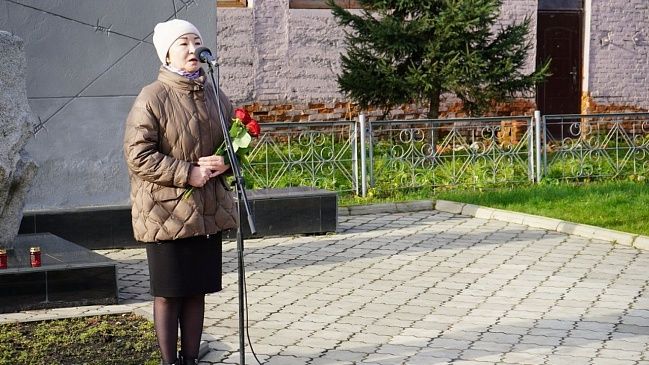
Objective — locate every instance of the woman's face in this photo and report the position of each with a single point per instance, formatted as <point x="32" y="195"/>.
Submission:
<point x="181" y="53"/>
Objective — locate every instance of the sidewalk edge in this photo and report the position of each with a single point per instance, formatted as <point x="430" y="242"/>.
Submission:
<point x="551" y="224"/>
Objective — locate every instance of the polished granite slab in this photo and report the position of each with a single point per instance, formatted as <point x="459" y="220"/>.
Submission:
<point x="288" y="211"/>
<point x="93" y="228"/>
<point x="285" y="211"/>
<point x="69" y="275"/>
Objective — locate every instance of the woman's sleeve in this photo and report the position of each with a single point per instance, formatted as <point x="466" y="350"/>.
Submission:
<point x="141" y="149"/>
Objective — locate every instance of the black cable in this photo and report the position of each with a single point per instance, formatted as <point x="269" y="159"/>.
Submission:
<point x="175" y="11"/>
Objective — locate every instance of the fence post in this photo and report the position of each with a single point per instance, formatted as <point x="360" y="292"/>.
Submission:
<point x="355" y="136"/>
<point x="537" y="134"/>
<point x="531" y="156"/>
<point x="361" y="122"/>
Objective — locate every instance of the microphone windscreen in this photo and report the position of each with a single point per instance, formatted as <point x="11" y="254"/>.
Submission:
<point x="204" y="54"/>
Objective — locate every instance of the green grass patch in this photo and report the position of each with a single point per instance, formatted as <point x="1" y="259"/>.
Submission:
<point x="98" y="340"/>
<point x="620" y="205"/>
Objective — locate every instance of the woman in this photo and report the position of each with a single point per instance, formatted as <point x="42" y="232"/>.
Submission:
<point x="171" y="133"/>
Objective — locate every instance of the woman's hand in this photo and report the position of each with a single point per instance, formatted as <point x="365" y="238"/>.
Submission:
<point x="216" y="164"/>
<point x="207" y="168"/>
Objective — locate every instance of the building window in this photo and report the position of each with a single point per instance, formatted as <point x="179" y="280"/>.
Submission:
<point x="322" y="4"/>
<point x="231" y="3"/>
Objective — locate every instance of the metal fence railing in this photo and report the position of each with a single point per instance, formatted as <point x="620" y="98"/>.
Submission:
<point x="469" y="153"/>
<point x="596" y="146"/>
<point x="316" y="154"/>
<point x="474" y="153"/>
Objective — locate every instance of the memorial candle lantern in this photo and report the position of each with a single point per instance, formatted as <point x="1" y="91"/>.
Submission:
<point x="35" y="256"/>
<point x="3" y="258"/>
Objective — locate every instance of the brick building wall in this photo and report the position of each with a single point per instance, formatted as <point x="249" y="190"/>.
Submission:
<point x="619" y="63"/>
<point x="290" y="60"/>
<point x="281" y="64"/>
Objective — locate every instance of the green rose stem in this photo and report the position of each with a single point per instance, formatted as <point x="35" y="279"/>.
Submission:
<point x="240" y="141"/>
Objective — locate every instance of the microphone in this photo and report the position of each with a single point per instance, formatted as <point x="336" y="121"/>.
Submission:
<point x="205" y="55"/>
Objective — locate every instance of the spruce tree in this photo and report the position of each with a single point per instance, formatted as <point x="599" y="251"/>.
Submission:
<point x="398" y="51"/>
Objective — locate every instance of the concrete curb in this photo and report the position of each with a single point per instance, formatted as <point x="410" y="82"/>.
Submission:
<point x="551" y="224"/>
<point x="477" y="211"/>
<point x="412" y="206"/>
<point x="65" y="312"/>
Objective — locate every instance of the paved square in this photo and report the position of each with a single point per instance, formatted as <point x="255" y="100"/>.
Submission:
<point x="424" y="288"/>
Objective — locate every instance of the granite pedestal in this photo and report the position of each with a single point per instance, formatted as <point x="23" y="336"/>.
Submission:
<point x="285" y="211"/>
<point x="70" y="275"/>
<point x="289" y="211"/>
<point x="93" y="228"/>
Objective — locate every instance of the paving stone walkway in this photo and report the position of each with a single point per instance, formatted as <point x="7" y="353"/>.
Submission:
<point x="425" y="287"/>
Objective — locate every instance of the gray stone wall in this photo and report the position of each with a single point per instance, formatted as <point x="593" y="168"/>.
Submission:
<point x="86" y="62"/>
<point x="619" y="68"/>
<point x="313" y="59"/>
<point x="517" y="11"/>
<point x="271" y="53"/>
<point x="237" y="53"/>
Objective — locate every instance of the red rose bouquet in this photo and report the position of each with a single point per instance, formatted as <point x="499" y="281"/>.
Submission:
<point x="242" y="129"/>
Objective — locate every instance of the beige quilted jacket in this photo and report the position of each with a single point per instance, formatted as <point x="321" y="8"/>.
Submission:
<point x="172" y="123"/>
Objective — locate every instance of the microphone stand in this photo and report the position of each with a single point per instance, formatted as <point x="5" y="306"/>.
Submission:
<point x="242" y="198"/>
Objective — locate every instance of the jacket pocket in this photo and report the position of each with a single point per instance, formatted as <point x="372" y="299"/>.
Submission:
<point x="169" y="212"/>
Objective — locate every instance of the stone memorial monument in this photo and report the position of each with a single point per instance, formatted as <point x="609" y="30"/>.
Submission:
<point x="17" y="170"/>
<point x="43" y="270"/>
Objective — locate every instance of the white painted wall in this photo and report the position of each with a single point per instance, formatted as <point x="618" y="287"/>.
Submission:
<point x="619" y="71"/>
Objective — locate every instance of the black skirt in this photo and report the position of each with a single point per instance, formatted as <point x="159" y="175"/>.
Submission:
<point x="185" y="267"/>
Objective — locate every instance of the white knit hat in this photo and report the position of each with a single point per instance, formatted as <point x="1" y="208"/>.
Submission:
<point x="165" y="34"/>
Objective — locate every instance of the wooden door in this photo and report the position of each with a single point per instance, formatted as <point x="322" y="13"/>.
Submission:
<point x="559" y="39"/>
